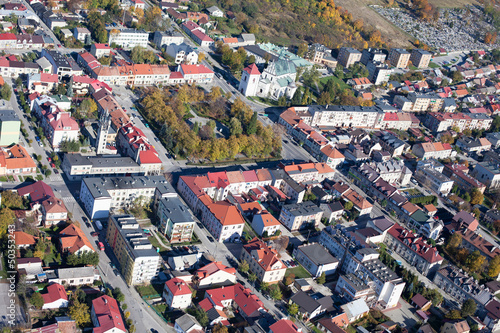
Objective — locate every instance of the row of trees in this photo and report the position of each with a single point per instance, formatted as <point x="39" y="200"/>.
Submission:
<point x="472" y="261"/>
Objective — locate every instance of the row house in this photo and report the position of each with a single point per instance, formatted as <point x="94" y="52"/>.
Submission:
<point x="439" y="122"/>
<point x="458" y="284"/>
<point x="415" y="250"/>
<point x="433" y="150"/>
<point x="399" y="120"/>
<point x="306" y="172"/>
<point x="223" y="220"/>
<point x="10" y="68"/>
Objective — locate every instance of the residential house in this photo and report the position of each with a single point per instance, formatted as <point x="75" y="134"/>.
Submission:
<point x="309" y="308"/>
<point x="177" y="294"/>
<point x="399" y="58"/>
<point x="355" y="310"/>
<point x="300" y="215"/>
<point x="215" y="11"/>
<point x="82" y="34"/>
<point x="263" y="261"/>
<point x="213" y="275"/>
<point x="15" y="160"/>
<point x="188" y="324"/>
<point x="455" y="327"/>
<point x="128" y="38"/>
<point x="223" y="220"/>
<point x="55" y="298"/>
<point x="265" y="224"/>
<point x="471" y="145"/>
<point x="73" y="240"/>
<point x="332" y="211"/>
<point x="99" y="50"/>
<point x="348" y="56"/>
<point x="316" y="259"/>
<point x="284" y="326"/>
<point x="415" y="250"/>
<point x="176" y="222"/>
<point x="106" y="315"/>
<point x="420" y="302"/>
<point x="487" y="173"/>
<point x="50" y="210"/>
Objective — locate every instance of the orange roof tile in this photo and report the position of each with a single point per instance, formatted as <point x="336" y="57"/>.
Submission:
<point x="226" y="213"/>
<point x="73" y="239"/>
<point x="23" y="238"/>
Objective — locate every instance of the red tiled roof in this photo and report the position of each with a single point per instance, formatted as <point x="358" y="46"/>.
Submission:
<point x="23" y="238"/>
<point x="108" y="314"/>
<point x="243" y="297"/>
<point x="252" y="69"/>
<point x="73" y="239"/>
<point x="178" y="287"/>
<point x="264" y="255"/>
<point x="284" y="326"/>
<point x="54" y="292"/>
<point x="213" y="268"/>
<point x="226" y="213"/>
<point x="195" y="69"/>
<point x="37" y="191"/>
<point x="416" y="244"/>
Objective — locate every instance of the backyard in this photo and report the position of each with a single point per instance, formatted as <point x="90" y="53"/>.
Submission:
<point x="299" y="272"/>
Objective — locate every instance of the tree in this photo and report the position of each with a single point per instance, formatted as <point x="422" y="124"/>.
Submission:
<point x="454" y="241"/>
<point x="289" y="279"/>
<point x="70" y="146"/>
<point x="264" y="286"/>
<point x="37" y="300"/>
<point x="454" y="314"/>
<point x="11" y="199"/>
<point x="7" y="217"/>
<point x="494" y="267"/>
<point x="80" y="313"/>
<point x="476" y="197"/>
<point x="302" y="49"/>
<point x="311" y="77"/>
<point x="383" y="203"/>
<point x="252" y="277"/>
<point x="293" y="309"/>
<point x="457" y="77"/>
<point x="468" y="308"/>
<point x="219" y="328"/>
<point x="252" y="125"/>
<point x="348" y="205"/>
<point x="5" y="92"/>
<point x="201" y="57"/>
<point x="474" y="261"/>
<point x="200" y="315"/>
<point x="322" y="278"/>
<point x="476" y="212"/>
<point x="88" y="108"/>
<point x="275" y="292"/>
<point x="235" y="127"/>
<point x="244" y="267"/>
<point x="118" y="295"/>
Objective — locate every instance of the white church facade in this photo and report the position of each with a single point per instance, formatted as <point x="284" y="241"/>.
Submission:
<point x="277" y="80"/>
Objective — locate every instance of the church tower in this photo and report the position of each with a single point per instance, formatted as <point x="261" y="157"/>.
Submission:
<point x="102" y="134"/>
<point x="249" y="80"/>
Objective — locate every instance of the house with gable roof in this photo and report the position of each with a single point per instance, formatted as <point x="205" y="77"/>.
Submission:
<point x="223" y="220"/>
<point x="238" y="297"/>
<point x="106" y="316"/>
<point x="284" y="326"/>
<point x="263" y="261"/>
<point x="49" y="209"/>
<point x="73" y="240"/>
<point x="214" y="274"/>
<point x="55" y="298"/>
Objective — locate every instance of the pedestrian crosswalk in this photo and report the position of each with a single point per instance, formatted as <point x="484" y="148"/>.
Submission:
<point x="56" y="178"/>
<point x="69" y="200"/>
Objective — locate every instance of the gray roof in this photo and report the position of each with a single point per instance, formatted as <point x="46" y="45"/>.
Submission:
<point x="355" y="282"/>
<point x="382" y="223"/>
<point x="98" y="187"/>
<point x="302" y="209"/>
<point x="186" y="322"/>
<point x="76" y="272"/>
<point x="306" y="303"/>
<point x="59" y="59"/>
<point x="317" y="254"/>
<point x="138" y="244"/>
<point x="99" y="161"/>
<point x="381" y="271"/>
<point x="255" y="49"/>
<point x="43" y="62"/>
<point x="176" y="210"/>
<point x="213" y="9"/>
<point x="248" y="37"/>
<point x="8" y="115"/>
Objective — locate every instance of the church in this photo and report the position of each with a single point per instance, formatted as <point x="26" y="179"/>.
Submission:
<point x="277" y="80"/>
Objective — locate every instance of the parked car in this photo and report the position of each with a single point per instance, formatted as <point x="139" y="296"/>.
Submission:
<point x="94" y="234"/>
<point x="211" y="239"/>
<point x="52" y="165"/>
<point x="101" y="246"/>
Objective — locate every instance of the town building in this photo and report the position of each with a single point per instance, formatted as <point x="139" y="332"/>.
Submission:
<point x="55" y="298"/>
<point x="355" y="310"/>
<point x="162" y="39"/>
<point x="128" y="38"/>
<point x="74" y="276"/>
<point x="487" y="173"/>
<point x="420" y="58"/>
<point x="284" y="326"/>
<point x="188" y="324"/>
<point x="61" y="65"/>
<point x="214" y="274"/>
<point x="265" y="224"/>
<point x="10" y="128"/>
<point x="263" y="261"/>
<point x="82" y="34"/>
<point x="399" y="58"/>
<point x="473" y="145"/>
<point x="348" y="56"/>
<point x="72" y="240"/>
<point x="297" y="216"/>
<point x="182" y="53"/>
<point x="99" y="195"/>
<point x="316" y="259"/>
<point x="436" y="150"/>
<point x="99" y="50"/>
<point x="106" y="315"/>
<point x="378" y="73"/>
<point x="139" y="261"/>
<point x="414" y="250"/>
<point x="455" y="327"/>
<point x="177" y="294"/>
<point x="15" y="160"/>
<point x="461" y="286"/>
<point x="321" y="55"/>
<point x="49" y="210"/>
<point x="434" y="180"/>
<point x="372" y="55"/>
<point x="175" y="220"/>
<point x="237" y="297"/>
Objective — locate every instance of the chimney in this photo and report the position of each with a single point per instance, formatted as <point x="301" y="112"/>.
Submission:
<point x="105" y="300"/>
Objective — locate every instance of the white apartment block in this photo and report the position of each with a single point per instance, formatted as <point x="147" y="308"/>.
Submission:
<point x="128" y="38"/>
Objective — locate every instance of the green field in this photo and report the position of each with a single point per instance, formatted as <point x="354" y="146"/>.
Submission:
<point x="299" y="272"/>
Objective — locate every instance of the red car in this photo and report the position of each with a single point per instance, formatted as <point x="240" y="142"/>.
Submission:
<point x="49" y="159"/>
<point x="52" y="165"/>
<point x="94" y="234"/>
<point x="101" y="246"/>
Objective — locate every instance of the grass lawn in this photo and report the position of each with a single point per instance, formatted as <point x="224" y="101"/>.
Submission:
<point x="299" y="272"/>
<point x="341" y="83"/>
<point x="249" y="230"/>
<point x="433" y="65"/>
<point x="413" y="68"/>
<point x="152" y="289"/>
<point x="155" y="243"/>
<point x="3" y="179"/>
